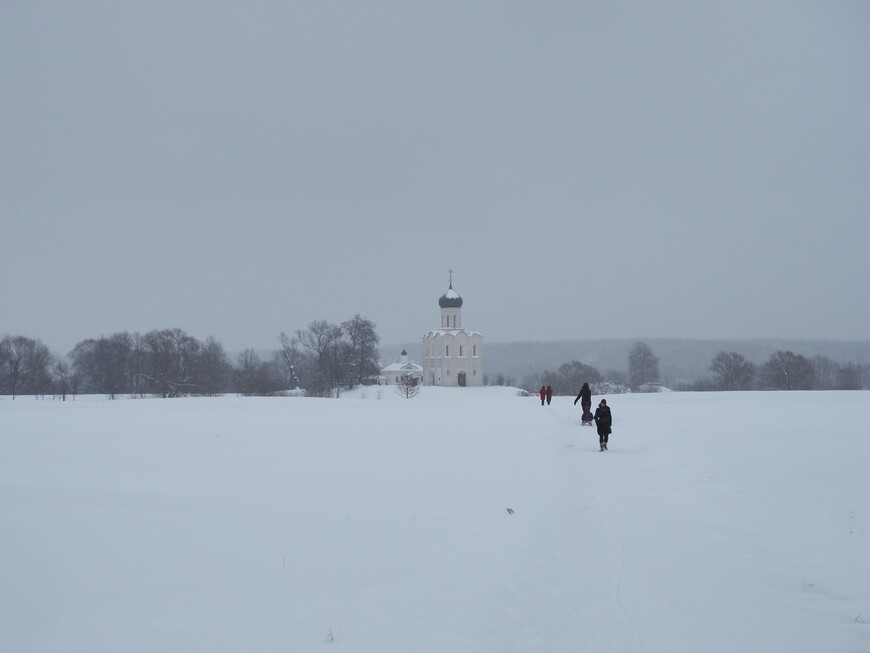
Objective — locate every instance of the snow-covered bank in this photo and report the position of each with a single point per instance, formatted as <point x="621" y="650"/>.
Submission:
<point x="717" y="522"/>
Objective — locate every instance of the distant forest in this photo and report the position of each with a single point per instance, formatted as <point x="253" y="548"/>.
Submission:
<point x="325" y="358"/>
<point x="682" y="364"/>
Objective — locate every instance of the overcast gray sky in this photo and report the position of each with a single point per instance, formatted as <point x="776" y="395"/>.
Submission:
<point x="606" y="169"/>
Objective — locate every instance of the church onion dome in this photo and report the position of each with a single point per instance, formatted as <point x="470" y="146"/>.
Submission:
<point x="450" y="299"/>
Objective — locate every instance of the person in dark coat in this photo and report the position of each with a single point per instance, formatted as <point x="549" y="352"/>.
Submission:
<point x="585" y="397"/>
<point x="603" y="420"/>
<point x="549" y="394"/>
<point x="543" y="393"/>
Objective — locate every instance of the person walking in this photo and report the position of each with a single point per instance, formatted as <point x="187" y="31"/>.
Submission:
<point x="549" y="394"/>
<point x="543" y="393"/>
<point x="585" y="397"/>
<point x="603" y="420"/>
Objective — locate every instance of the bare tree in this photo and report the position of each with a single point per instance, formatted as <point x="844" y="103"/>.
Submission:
<point x="114" y="357"/>
<point x="39" y="364"/>
<point x="322" y="340"/>
<point x="84" y="366"/>
<point x="137" y="364"/>
<point x="573" y="375"/>
<point x="171" y="360"/>
<point x="246" y="371"/>
<point x="318" y="337"/>
<point x="408" y="386"/>
<point x="12" y="365"/>
<point x="327" y="357"/>
<point x="785" y="370"/>
<point x="363" y="352"/>
<point x="213" y="369"/>
<point x="104" y="365"/>
<point x="643" y="365"/>
<point x="62" y="380"/>
<point x="731" y="371"/>
<point x="24" y="366"/>
<point x="292" y="362"/>
<point x="567" y="379"/>
<point x="255" y="377"/>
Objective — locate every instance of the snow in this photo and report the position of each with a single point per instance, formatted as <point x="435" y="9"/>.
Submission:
<point x="402" y="367"/>
<point x="373" y="523"/>
<point x="451" y="332"/>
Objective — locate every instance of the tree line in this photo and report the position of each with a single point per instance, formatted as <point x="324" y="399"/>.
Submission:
<point x="783" y="370"/>
<point x="325" y="358"/>
<point x="319" y="360"/>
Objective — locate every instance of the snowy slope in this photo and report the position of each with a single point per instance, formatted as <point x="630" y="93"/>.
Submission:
<point x="372" y="523"/>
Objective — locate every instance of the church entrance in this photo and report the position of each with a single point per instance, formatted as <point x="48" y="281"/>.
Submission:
<point x="461" y="378"/>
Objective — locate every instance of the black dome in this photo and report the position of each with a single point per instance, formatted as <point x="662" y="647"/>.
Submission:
<point x="450" y="299"/>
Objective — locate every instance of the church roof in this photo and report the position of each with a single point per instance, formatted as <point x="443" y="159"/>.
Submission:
<point x="451" y="332"/>
<point x="402" y="367"/>
<point x="450" y="299"/>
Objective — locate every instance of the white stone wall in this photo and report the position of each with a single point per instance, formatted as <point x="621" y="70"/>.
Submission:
<point x="449" y="353"/>
<point x="451" y="318"/>
<point x="394" y="377"/>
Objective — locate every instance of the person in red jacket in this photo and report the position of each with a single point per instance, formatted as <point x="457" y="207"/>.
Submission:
<point x="543" y="393"/>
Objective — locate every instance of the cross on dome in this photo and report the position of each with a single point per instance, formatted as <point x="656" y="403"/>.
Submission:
<point x="451" y="298"/>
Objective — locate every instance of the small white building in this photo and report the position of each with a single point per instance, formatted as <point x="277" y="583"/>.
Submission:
<point x="392" y="374"/>
<point x="452" y="355"/>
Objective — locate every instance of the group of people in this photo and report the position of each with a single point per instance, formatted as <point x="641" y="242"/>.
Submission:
<point x="602" y="417"/>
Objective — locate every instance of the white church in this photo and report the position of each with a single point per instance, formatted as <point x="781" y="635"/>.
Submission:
<point x="452" y="355"/>
<point x="397" y="373"/>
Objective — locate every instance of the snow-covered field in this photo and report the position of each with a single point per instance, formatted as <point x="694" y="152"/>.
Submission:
<point x="733" y="522"/>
